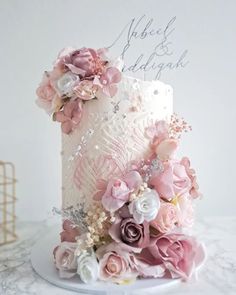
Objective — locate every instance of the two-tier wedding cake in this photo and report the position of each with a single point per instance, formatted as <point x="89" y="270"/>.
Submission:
<point x="126" y="198"/>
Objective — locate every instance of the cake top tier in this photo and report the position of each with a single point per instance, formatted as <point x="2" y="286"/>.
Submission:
<point x="81" y="75"/>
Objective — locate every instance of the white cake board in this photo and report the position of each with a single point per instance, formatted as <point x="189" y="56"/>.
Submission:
<point x="42" y="262"/>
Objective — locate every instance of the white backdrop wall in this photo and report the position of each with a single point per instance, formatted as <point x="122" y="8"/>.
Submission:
<point x="31" y="34"/>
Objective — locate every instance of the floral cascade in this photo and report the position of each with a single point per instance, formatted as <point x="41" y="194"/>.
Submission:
<point x="78" y="75"/>
<point x="136" y="227"/>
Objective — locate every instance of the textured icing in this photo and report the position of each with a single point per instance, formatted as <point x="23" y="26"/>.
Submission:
<point x="111" y="133"/>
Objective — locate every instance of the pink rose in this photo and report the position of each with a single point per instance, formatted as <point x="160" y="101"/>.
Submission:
<point x="166" y="218"/>
<point x="85" y="90"/>
<point x="194" y="191"/>
<point x="129" y="234"/>
<point x="172" y="181"/>
<point x="84" y="62"/>
<point x="70" y="116"/>
<point x="118" y="190"/>
<point x="70" y="232"/>
<point x="65" y="259"/>
<point x="47" y="95"/>
<point x="179" y="254"/>
<point x="108" y="80"/>
<point x="114" y="264"/>
<point x="185" y="211"/>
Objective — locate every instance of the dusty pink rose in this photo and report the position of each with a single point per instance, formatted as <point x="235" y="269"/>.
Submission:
<point x="129" y="234"/>
<point x="47" y="95"/>
<point x="108" y="80"/>
<point x="84" y="62"/>
<point x="114" y="264"/>
<point x="172" y="181"/>
<point x="166" y="149"/>
<point x="65" y="259"/>
<point x="166" y="218"/>
<point x="118" y="190"/>
<point x="70" y="232"/>
<point x="194" y="191"/>
<point x="185" y="211"/>
<point x="179" y="254"/>
<point x="85" y="90"/>
<point x="70" y="116"/>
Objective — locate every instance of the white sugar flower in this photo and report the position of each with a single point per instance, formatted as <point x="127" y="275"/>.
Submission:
<point x="87" y="266"/>
<point x="145" y="207"/>
<point x="66" y="83"/>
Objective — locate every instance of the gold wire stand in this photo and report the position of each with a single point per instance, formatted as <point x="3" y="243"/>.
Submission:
<point x="7" y="203"/>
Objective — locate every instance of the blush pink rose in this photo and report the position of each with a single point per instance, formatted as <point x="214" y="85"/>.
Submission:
<point x="70" y="232"/>
<point x="47" y="95"/>
<point x="166" y="218"/>
<point x="194" y="191"/>
<point x="166" y="149"/>
<point x="65" y="259"/>
<point x="114" y="264"/>
<point x="179" y="254"/>
<point x="70" y="116"/>
<point x="185" y="211"/>
<point x="85" y="90"/>
<point x="118" y="190"/>
<point x="172" y="181"/>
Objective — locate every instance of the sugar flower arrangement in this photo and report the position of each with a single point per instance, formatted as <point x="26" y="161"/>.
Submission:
<point x="78" y="75"/>
<point x="136" y="226"/>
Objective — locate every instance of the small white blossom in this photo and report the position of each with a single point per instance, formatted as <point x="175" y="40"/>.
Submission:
<point x="87" y="266"/>
<point x="66" y="83"/>
<point x="145" y="207"/>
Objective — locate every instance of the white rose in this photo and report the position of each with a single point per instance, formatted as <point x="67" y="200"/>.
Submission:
<point x="87" y="266"/>
<point x="66" y="83"/>
<point x="145" y="207"/>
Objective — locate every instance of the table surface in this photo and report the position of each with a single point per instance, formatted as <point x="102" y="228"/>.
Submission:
<point x="218" y="276"/>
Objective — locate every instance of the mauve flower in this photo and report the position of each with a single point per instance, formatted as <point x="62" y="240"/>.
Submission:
<point x="129" y="234"/>
<point x="70" y="232"/>
<point x="166" y="218"/>
<point x="114" y="264"/>
<point x="65" y="259"/>
<point x="85" y="90"/>
<point x="145" y="207"/>
<point x="194" y="191"/>
<point x="118" y="190"/>
<point x="108" y="80"/>
<point x="172" y="181"/>
<point x="180" y="254"/>
<point x="70" y="116"/>
<point x="84" y="62"/>
<point x="48" y="98"/>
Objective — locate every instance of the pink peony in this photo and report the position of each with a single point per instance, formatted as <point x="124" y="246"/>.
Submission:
<point x="179" y="254"/>
<point x="84" y="62"/>
<point x="70" y="116"/>
<point x="194" y="191"/>
<point x="108" y="80"/>
<point x="129" y="234"/>
<point x="47" y="95"/>
<point x="65" y="259"/>
<point x="114" y="264"/>
<point x="166" y="218"/>
<point x="172" y="181"/>
<point x="85" y="90"/>
<point x="70" y="232"/>
<point x="118" y="190"/>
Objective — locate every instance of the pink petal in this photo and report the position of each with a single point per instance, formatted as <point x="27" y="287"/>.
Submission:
<point x="133" y="179"/>
<point x="66" y="127"/>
